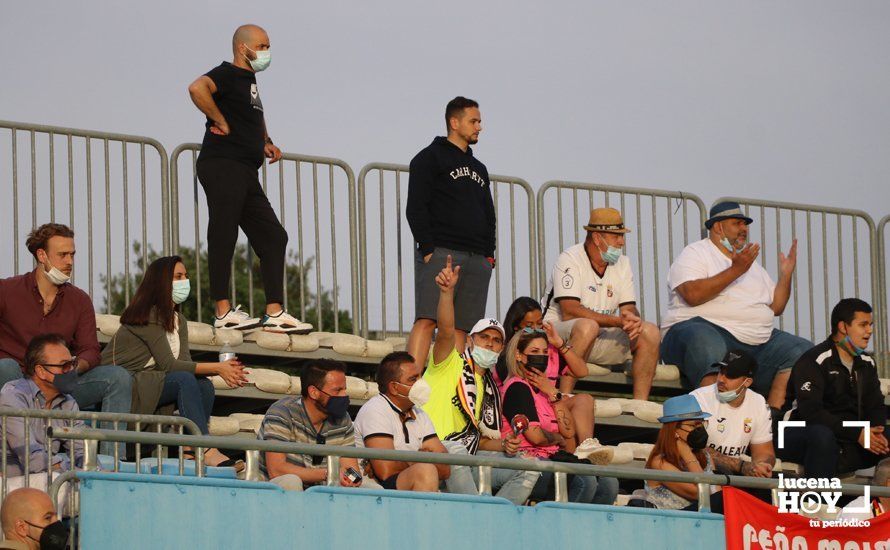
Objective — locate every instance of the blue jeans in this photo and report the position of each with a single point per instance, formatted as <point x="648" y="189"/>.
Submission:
<point x="695" y="345"/>
<point x="584" y="489"/>
<point x="106" y="387"/>
<point x="193" y="397"/>
<point x="513" y="485"/>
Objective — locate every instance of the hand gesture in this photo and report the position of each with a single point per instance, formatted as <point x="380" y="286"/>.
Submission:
<point x="741" y="261"/>
<point x="877" y="441"/>
<point x="219" y="128"/>
<point x="447" y="278"/>
<point x="762" y="469"/>
<point x="272" y="152"/>
<point x="233" y="373"/>
<point x="511" y="445"/>
<point x="541" y="382"/>
<point x="553" y="338"/>
<point x="787" y="263"/>
<point x="631" y="324"/>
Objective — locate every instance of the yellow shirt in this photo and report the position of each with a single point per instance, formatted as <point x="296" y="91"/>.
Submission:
<point x="443" y="378"/>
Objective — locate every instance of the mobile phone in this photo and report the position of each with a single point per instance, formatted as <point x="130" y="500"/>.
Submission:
<point x="352" y="475"/>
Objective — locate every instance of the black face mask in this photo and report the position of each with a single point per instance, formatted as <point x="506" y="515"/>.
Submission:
<point x="537" y="362"/>
<point x="53" y="537"/>
<point x="337" y="405"/>
<point x="697" y="438"/>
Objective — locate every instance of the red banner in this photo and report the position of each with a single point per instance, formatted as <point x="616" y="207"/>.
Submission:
<point x="752" y="524"/>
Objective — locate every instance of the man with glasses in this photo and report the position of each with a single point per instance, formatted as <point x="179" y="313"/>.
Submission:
<point x="465" y="404"/>
<point x="46" y="358"/>
<point x="319" y="415"/>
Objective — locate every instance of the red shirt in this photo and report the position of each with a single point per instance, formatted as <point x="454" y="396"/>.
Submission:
<point x="21" y="318"/>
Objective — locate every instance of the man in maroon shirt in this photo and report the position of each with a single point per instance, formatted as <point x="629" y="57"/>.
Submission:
<point x="43" y="301"/>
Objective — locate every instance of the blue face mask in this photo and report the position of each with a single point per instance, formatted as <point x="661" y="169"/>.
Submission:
<point x="854" y="350"/>
<point x="262" y="61"/>
<point x="730" y="395"/>
<point x="611" y="255"/>
<point x="181" y="290"/>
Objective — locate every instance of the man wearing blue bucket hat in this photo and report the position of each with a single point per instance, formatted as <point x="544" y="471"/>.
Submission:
<point x="723" y="299"/>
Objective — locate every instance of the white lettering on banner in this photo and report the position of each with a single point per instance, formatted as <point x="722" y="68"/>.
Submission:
<point x="776" y="539"/>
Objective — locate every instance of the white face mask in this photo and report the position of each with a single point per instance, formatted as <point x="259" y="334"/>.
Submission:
<point x="262" y="61"/>
<point x="483" y="357"/>
<point x="419" y="393"/>
<point x="55" y="276"/>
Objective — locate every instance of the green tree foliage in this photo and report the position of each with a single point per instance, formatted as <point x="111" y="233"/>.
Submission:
<point x="295" y="281"/>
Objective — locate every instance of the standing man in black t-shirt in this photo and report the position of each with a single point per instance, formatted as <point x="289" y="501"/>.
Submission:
<point x="235" y="145"/>
<point x="451" y="213"/>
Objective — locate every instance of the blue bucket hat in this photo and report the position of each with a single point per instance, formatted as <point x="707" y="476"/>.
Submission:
<point x="682" y="407"/>
<point x="724" y="211"/>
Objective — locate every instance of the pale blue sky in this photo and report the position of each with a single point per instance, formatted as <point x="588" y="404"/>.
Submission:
<point x="778" y="100"/>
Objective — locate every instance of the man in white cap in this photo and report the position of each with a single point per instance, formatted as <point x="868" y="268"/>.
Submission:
<point x="591" y="301"/>
<point x="465" y="405"/>
<point x="722" y="299"/>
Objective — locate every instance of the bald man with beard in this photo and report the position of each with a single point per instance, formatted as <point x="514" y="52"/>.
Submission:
<point x="29" y="521"/>
<point x="236" y="143"/>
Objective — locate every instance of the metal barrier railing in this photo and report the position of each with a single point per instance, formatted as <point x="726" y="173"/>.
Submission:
<point x="57" y="419"/>
<point x="318" y="240"/>
<point x="126" y="203"/>
<point x="252" y="448"/>
<point x="882" y="337"/>
<point x="829" y="243"/>
<point x="382" y="223"/>
<point x="651" y="246"/>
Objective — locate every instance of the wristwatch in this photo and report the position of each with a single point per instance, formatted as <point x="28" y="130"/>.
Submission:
<point x="558" y="397"/>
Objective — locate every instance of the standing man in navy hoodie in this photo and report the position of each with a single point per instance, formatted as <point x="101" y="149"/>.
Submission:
<point x="450" y="212"/>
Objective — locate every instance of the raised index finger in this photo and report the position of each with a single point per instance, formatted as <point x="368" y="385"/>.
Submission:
<point x="448" y="262"/>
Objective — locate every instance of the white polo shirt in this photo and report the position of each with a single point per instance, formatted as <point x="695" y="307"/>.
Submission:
<point x="574" y="277"/>
<point x="380" y="417"/>
<point x="732" y="429"/>
<point x="742" y="308"/>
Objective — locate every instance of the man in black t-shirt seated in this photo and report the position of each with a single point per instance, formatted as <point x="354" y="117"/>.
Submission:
<point x="235" y="145"/>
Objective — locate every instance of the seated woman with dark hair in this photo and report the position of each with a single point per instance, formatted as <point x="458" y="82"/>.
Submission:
<point x="152" y="344"/>
<point x="530" y="393"/>
<point x="680" y="447"/>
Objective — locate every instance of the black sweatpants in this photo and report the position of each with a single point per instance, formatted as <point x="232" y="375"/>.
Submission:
<point x="236" y="198"/>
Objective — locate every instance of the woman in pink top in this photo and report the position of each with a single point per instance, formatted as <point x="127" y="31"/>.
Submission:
<point x="527" y="392"/>
<point x="575" y="412"/>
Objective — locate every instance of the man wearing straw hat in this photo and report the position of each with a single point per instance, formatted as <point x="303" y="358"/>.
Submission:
<point x="591" y="302"/>
<point x="723" y="299"/>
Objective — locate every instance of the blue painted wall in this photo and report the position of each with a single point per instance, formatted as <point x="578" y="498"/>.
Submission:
<point x="169" y="512"/>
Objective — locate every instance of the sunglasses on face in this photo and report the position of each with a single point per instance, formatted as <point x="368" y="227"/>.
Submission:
<point x="65" y="365"/>
<point x="532" y="330"/>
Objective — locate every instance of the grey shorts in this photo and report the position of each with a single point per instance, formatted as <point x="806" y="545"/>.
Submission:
<point x="611" y="347"/>
<point x="470" y="295"/>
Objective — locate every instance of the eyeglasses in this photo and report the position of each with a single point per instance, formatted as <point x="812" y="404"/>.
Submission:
<point x="530" y="330"/>
<point x="65" y="365"/>
<point x="704" y="424"/>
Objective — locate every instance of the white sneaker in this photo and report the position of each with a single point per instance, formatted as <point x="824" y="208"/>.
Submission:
<point x="285" y="323"/>
<point x="236" y="319"/>
<point x="591" y="450"/>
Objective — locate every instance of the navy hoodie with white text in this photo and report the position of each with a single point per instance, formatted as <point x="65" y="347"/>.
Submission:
<point x="449" y="200"/>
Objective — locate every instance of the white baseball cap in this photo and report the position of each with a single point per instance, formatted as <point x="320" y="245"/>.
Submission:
<point x="484" y="324"/>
